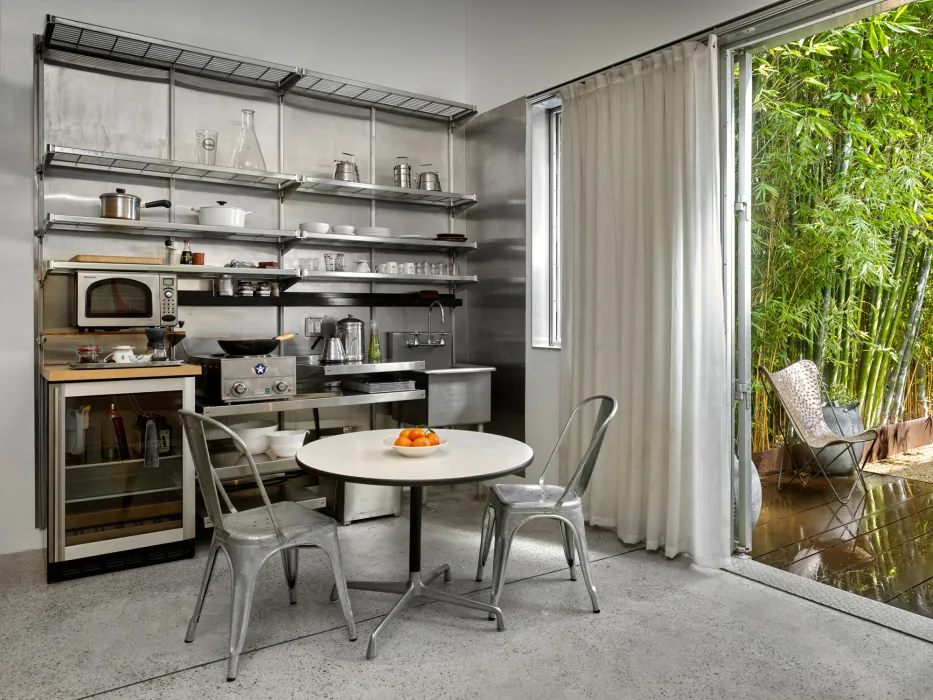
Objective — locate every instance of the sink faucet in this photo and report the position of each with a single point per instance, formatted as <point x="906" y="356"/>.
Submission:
<point x="431" y="341"/>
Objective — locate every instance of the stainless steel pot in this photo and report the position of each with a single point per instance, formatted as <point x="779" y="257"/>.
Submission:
<point x="429" y="180"/>
<point x="351" y="332"/>
<point x="346" y="170"/>
<point x="120" y="205"/>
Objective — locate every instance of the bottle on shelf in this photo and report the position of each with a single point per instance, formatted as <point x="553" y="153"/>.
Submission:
<point x="187" y="257"/>
<point x="122" y="445"/>
<point x="247" y="154"/>
<point x="375" y="351"/>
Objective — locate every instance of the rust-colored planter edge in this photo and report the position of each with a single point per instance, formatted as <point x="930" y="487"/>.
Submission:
<point x="892" y="440"/>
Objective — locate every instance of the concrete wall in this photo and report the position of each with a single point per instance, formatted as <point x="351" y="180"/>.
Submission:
<point x="521" y="47"/>
<point x="362" y="39"/>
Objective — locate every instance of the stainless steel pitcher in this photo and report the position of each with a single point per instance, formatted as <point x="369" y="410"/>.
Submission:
<point x="351" y="332"/>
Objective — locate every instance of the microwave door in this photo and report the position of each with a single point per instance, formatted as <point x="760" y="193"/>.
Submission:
<point x="117" y="301"/>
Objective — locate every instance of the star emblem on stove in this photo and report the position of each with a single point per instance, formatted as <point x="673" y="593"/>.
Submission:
<point x="260" y="368"/>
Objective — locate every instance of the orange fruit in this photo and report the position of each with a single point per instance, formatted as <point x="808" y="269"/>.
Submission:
<point x="415" y="434"/>
<point x="433" y="439"/>
<point x="420" y="442"/>
<point x="405" y="433"/>
<point x="403" y="442"/>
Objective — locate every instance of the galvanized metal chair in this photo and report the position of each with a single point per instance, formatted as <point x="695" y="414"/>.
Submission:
<point x="512" y="505"/>
<point x="800" y="390"/>
<point x="248" y="538"/>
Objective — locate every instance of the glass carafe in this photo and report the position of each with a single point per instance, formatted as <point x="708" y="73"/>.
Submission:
<point x="247" y="154"/>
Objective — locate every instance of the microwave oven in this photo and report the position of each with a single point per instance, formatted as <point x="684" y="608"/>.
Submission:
<point x="124" y="300"/>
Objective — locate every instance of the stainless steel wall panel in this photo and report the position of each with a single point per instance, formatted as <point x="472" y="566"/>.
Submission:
<point x="318" y="132"/>
<point x="495" y="309"/>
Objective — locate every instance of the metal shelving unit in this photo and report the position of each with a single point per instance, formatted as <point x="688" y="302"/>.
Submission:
<point x="71" y="40"/>
<point x="305" y="402"/>
<point x="385" y="193"/>
<point x="383" y="278"/>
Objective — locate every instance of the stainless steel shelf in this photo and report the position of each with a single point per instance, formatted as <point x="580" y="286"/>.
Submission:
<point x="84" y="159"/>
<point x="304" y="402"/>
<point x="102" y="487"/>
<point x="91" y="224"/>
<point x="54" y="266"/>
<point x="69" y="41"/>
<point x="352" y="368"/>
<point x="383" y="278"/>
<point x="386" y="193"/>
<point x="385" y="242"/>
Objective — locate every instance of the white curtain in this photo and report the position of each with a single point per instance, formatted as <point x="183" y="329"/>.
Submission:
<point x="643" y="314"/>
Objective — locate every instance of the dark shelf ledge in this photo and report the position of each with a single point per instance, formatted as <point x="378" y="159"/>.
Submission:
<point x="195" y="298"/>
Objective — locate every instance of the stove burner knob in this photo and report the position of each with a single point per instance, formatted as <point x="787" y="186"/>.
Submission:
<point x="238" y="389"/>
<point x="280" y="387"/>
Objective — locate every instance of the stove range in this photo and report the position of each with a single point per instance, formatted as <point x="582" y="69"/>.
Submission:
<point x="238" y="378"/>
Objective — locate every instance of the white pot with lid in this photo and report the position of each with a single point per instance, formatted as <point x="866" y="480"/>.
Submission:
<point x="221" y="215"/>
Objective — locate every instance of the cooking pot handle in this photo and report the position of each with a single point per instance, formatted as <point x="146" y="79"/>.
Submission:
<point x="159" y="203"/>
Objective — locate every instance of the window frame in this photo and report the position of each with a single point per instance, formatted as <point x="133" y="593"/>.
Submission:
<point x="545" y="118"/>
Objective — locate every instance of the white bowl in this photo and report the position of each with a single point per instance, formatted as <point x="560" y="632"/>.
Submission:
<point x="345" y="230"/>
<point x="285" y="443"/>
<point x="254" y="434"/>
<point x="413" y="451"/>
<point x="314" y="228"/>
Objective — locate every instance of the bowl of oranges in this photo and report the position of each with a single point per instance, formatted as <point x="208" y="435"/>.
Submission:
<point x="415" y="442"/>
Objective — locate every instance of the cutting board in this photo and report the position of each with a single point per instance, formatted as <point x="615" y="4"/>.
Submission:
<point x="116" y="259"/>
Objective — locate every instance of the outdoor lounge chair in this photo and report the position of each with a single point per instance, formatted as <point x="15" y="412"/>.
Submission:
<point x="800" y="390"/>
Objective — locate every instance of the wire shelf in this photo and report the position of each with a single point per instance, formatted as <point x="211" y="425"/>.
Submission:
<point x="74" y="39"/>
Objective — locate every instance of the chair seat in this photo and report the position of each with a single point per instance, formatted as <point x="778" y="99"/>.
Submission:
<point x="531" y="496"/>
<point x="294" y="519"/>
<point x="821" y="441"/>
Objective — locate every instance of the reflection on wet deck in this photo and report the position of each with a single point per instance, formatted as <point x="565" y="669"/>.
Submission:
<point x="879" y="546"/>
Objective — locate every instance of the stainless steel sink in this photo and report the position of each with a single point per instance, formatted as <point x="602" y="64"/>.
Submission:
<point x="456" y="395"/>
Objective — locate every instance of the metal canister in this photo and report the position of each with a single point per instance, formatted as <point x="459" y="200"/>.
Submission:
<point x="351" y="332"/>
<point x="224" y="286"/>
<point x="401" y="173"/>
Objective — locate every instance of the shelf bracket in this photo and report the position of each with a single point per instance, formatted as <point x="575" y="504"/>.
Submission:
<point x="288" y="282"/>
<point x="289" y="245"/>
<point x="289" y="188"/>
<point x="291" y="81"/>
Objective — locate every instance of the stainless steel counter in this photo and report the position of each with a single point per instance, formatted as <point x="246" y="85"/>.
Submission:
<point x="358" y="368"/>
<point x="459" y="369"/>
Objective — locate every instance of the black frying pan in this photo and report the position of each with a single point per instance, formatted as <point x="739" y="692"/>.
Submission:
<point x="252" y="346"/>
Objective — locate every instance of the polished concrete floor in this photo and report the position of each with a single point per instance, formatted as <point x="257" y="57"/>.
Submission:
<point x="879" y="546"/>
<point x="667" y="630"/>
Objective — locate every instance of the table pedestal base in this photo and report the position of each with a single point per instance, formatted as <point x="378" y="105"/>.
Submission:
<point x="412" y="591"/>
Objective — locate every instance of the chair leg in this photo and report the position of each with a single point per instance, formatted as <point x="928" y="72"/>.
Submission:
<point x="500" y="561"/>
<point x="332" y="549"/>
<point x="245" y="572"/>
<point x="578" y="528"/>
<point x="568" y="548"/>
<point x="290" y="564"/>
<point x="486" y="531"/>
<point x="205" y="583"/>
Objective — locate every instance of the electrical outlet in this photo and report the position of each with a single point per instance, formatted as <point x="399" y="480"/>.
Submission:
<point x="313" y="326"/>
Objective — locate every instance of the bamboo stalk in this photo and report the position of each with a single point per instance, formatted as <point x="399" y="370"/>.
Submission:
<point x="910" y="334"/>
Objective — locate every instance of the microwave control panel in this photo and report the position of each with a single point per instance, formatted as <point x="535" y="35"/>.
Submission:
<point x="169" y="300"/>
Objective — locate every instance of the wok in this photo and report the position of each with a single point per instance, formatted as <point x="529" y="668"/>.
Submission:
<point x="252" y="346"/>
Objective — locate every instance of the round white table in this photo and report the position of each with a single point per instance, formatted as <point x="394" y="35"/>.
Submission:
<point x="363" y="458"/>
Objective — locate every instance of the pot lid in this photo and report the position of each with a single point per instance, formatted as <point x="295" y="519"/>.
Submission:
<point x="221" y="205"/>
<point x="120" y="193"/>
<point x="349" y="321"/>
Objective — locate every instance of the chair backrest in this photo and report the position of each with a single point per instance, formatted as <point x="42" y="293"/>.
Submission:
<point x="580" y="480"/>
<point x="212" y="491"/>
<point x="799" y="390"/>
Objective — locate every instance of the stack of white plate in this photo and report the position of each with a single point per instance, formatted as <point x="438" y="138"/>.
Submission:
<point x="373" y="231"/>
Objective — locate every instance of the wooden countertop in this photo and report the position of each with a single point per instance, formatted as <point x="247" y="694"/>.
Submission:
<point x="64" y="373"/>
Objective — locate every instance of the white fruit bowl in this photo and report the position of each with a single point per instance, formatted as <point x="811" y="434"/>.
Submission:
<point x="413" y="452"/>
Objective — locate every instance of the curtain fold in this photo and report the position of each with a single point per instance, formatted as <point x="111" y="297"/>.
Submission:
<point x="643" y="309"/>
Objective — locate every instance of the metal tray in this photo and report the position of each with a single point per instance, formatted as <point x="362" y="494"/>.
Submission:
<point x="126" y="365"/>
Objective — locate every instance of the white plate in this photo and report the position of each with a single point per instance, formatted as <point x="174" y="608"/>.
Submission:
<point x="344" y="230"/>
<point x="415" y="235"/>
<point x="413" y="451"/>
<point x="374" y="231"/>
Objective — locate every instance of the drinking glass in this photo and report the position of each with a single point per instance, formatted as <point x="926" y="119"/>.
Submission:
<point x="207" y="146"/>
<point x="330" y="261"/>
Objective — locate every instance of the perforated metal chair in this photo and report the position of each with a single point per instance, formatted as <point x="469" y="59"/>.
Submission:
<point x="512" y="505"/>
<point x="248" y="538"/>
<point x="800" y="390"/>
